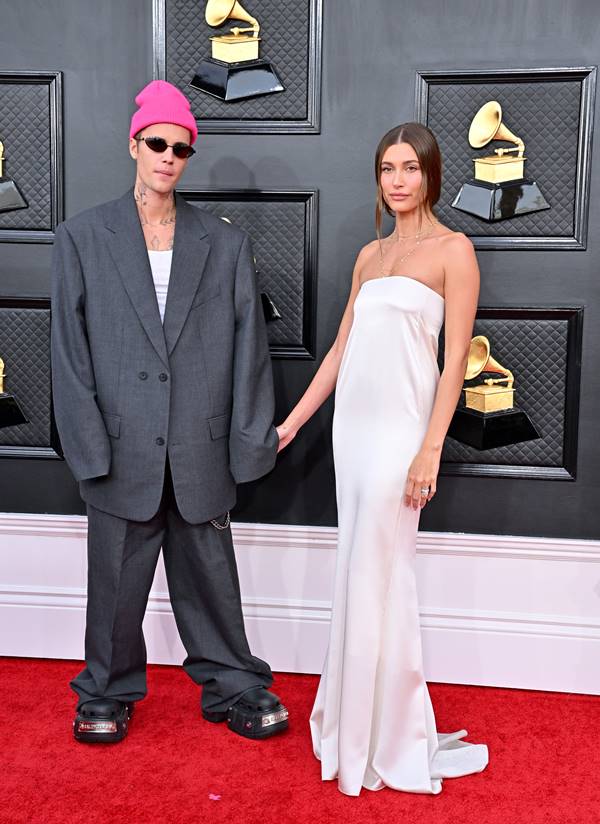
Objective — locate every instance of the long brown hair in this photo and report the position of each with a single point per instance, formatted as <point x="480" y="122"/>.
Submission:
<point x="428" y="153"/>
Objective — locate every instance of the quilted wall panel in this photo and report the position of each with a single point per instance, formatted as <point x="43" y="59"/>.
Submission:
<point x="536" y="350"/>
<point x="283" y="244"/>
<point x="545" y="116"/>
<point x="25" y="132"/>
<point x="25" y="349"/>
<point x="285" y="33"/>
<point x="552" y="111"/>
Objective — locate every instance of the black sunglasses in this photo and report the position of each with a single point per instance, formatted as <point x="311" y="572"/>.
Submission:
<point x="160" y="145"/>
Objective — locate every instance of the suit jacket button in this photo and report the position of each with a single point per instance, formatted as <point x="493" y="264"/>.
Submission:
<point x="163" y="376"/>
<point x="160" y="441"/>
<point x="142" y="375"/>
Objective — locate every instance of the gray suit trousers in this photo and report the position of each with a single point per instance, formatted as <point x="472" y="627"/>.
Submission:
<point x="205" y="596"/>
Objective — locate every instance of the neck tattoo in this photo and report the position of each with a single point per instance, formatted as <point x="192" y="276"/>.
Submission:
<point x="157" y="241"/>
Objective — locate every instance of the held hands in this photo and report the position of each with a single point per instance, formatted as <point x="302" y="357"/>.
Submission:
<point x="286" y="433"/>
<point x="421" y="483"/>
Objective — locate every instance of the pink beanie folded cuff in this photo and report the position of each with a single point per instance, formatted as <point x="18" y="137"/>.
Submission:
<point x="161" y="102"/>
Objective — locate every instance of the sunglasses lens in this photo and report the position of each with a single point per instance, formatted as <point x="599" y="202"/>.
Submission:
<point x="182" y="150"/>
<point x="157" y="144"/>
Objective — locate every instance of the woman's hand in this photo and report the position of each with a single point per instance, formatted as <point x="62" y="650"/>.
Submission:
<point x="286" y="433"/>
<point x="421" y="483"/>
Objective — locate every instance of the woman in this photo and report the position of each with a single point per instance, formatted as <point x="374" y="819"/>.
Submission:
<point x="372" y="723"/>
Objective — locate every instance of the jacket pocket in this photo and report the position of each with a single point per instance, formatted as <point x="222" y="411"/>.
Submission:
<point x="112" y="424"/>
<point x="219" y="426"/>
<point x="204" y="295"/>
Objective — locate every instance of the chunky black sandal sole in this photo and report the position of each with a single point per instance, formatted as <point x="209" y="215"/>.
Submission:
<point x="214" y="717"/>
<point x="251" y="723"/>
<point x="102" y="729"/>
<point x="255" y="724"/>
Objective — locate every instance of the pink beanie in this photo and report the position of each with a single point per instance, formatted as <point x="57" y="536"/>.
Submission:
<point x="161" y="102"/>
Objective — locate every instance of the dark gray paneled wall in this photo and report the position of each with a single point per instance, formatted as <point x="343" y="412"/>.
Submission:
<point x="371" y="53"/>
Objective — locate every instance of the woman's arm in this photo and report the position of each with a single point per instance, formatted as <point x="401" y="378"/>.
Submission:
<point x="461" y="290"/>
<point x="323" y="383"/>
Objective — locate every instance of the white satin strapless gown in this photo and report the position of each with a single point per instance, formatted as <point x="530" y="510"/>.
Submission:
<point x="372" y="723"/>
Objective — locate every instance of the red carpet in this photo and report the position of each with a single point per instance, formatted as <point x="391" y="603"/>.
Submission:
<point x="174" y="767"/>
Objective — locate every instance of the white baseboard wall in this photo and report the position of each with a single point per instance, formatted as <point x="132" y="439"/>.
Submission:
<point x="495" y="610"/>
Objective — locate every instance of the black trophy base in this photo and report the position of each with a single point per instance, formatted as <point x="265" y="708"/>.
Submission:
<point x="500" y="201"/>
<point x="270" y="311"/>
<point x="10" y="196"/>
<point x="236" y="81"/>
<point x="487" y="430"/>
<point x="10" y="411"/>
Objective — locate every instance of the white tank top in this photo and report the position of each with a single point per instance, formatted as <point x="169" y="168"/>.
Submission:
<point x="160" y="263"/>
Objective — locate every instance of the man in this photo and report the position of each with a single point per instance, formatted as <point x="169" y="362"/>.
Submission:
<point x="163" y="398"/>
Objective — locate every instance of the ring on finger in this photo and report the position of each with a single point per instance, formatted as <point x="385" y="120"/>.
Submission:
<point x="424" y="491"/>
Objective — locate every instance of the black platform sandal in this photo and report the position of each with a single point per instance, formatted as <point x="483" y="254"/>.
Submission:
<point x="102" y="721"/>
<point x="257" y="713"/>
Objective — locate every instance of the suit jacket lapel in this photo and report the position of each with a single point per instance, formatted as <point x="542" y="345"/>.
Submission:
<point x="128" y="249"/>
<point x="190" y="253"/>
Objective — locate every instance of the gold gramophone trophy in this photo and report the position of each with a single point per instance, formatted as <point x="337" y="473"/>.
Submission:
<point x="499" y="189"/>
<point x="10" y="196"/>
<point x="235" y="71"/>
<point x="10" y="411"/>
<point x="489" y="417"/>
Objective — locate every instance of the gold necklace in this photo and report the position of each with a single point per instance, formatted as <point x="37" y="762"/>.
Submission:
<point x="407" y="237"/>
<point x="420" y="238"/>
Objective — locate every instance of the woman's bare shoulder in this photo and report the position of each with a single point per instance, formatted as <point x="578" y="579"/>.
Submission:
<point x="454" y="240"/>
<point x="365" y="256"/>
<point x="367" y="250"/>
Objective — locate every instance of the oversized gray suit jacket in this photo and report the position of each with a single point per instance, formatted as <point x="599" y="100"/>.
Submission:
<point x="126" y="389"/>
